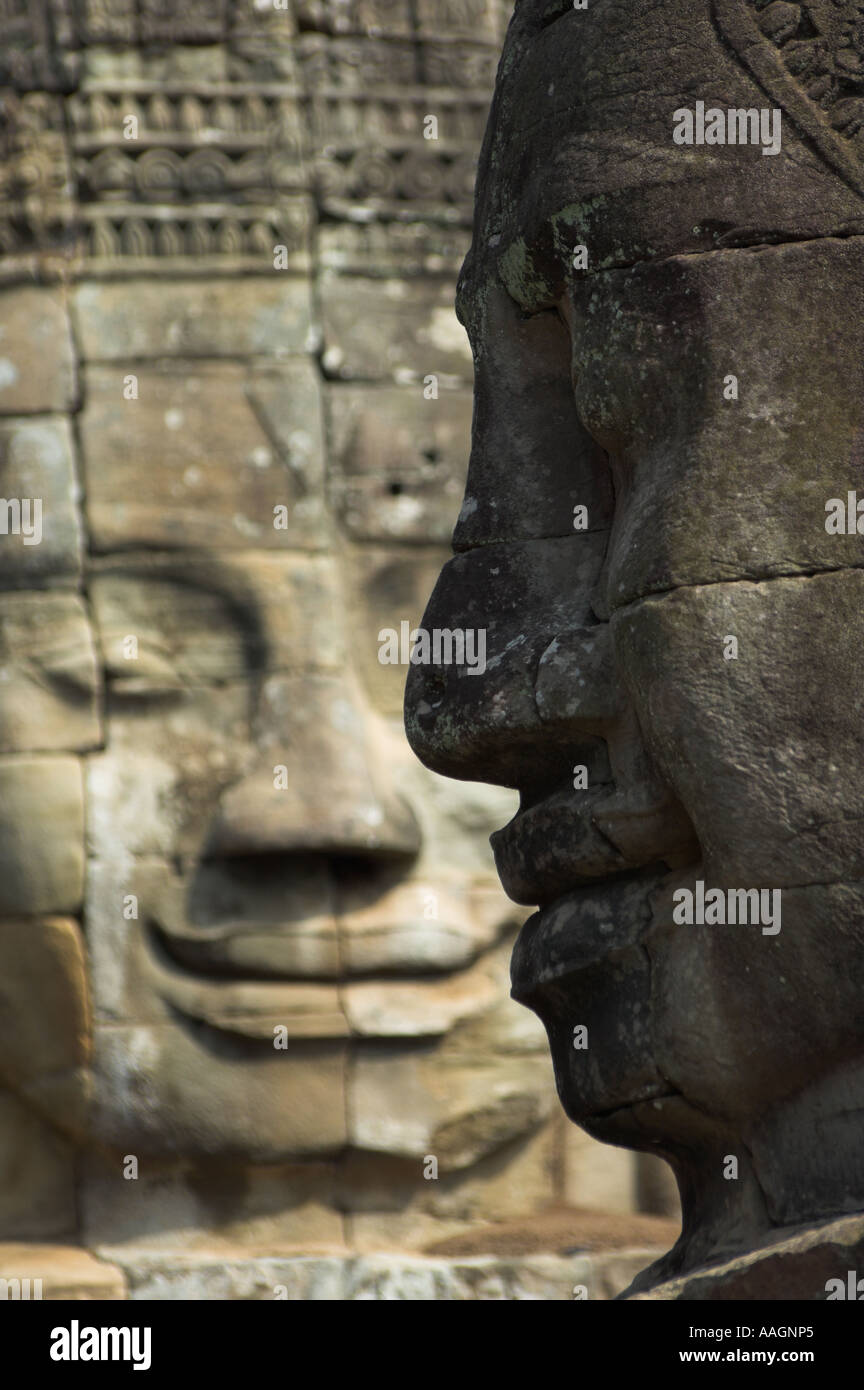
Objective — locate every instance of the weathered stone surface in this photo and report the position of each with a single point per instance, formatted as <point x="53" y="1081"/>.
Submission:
<point x="668" y="332"/>
<point x="162" y="1091"/>
<point x="729" y="971"/>
<point x="205" y="620"/>
<point x="562" y="1230"/>
<point x="416" y="1102"/>
<point x="420" y="924"/>
<point x="598" y="1177"/>
<point x="159" y="799"/>
<point x="357" y="17"/>
<point x="418" y="1008"/>
<point x="796" y="745"/>
<point x="203" y="786"/>
<point x="563" y="974"/>
<point x="371" y="1278"/>
<point x="192" y="63"/>
<point x="41" y="544"/>
<point x="349" y="808"/>
<point x="244" y="444"/>
<point x="388" y="248"/>
<point x="803" y="1264"/>
<point x="532" y="461"/>
<point x="37" y="363"/>
<point x="656" y="1188"/>
<point x="521" y="596"/>
<point x="37" y="1190"/>
<point x="41" y="835"/>
<point x="45" y="1012"/>
<point x="399" y="461"/>
<point x="405" y="1204"/>
<point x="269" y="1011"/>
<point x="391" y="330"/>
<point x="293" y="936"/>
<point x="478" y="19"/>
<point x="65" y="1272"/>
<point x="204" y="1208"/>
<point x="49" y="674"/>
<point x="136" y="320"/>
<point x="688" y="508"/>
<point x="640" y="195"/>
<point x="385" y="588"/>
<point x="210" y="924"/>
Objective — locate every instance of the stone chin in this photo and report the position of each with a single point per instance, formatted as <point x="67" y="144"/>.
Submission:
<point x="581" y="965"/>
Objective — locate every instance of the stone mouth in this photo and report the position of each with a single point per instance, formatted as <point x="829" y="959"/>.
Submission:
<point x="553" y="846"/>
<point x="265" y="1008"/>
<point x="589" y="924"/>
<point x="275" y="951"/>
<point x="566" y="841"/>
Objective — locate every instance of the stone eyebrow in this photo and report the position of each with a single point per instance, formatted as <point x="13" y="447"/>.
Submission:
<point x="242" y="605"/>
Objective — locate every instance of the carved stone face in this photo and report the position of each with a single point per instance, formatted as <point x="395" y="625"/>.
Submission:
<point x="700" y="399"/>
<point x="296" y="950"/>
<point x="284" y="858"/>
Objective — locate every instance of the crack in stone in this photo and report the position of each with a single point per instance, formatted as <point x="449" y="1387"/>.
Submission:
<point x="802" y="575"/>
<point x="765" y="244"/>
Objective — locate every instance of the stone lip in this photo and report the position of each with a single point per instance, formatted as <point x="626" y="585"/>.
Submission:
<point x="794" y="1265"/>
<point x="588" y="925"/>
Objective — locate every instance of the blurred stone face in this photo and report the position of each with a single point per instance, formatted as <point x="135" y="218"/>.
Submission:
<point x="295" y="946"/>
<point x="294" y="875"/>
<point x="244" y="939"/>
<point x="657" y="687"/>
<point x="264" y="856"/>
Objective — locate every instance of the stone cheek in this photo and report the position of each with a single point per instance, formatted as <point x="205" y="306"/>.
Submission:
<point x="711" y="485"/>
<point x="796" y="759"/>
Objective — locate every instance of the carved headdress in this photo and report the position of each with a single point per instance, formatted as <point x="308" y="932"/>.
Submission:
<point x="581" y="147"/>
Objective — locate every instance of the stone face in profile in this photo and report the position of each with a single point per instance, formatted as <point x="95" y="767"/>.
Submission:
<point x="674" y="689"/>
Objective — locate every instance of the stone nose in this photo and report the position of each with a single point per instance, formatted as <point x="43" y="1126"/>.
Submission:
<point x="548" y="681"/>
<point x="321" y="783"/>
<point x="532" y="461"/>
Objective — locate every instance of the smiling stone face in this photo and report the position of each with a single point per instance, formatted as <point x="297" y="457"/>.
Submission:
<point x="668" y="385"/>
<point x="295" y="947"/>
<point x="258" y="808"/>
